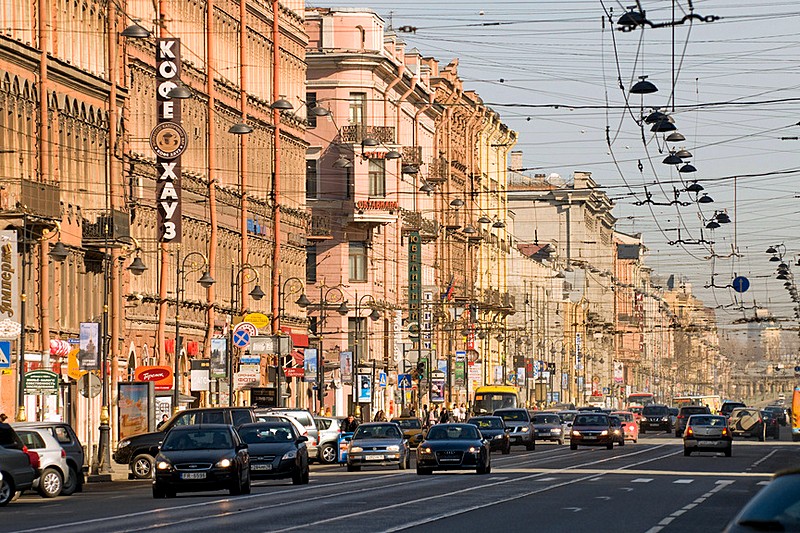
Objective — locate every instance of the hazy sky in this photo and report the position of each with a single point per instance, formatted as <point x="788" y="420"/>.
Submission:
<point x="552" y="69"/>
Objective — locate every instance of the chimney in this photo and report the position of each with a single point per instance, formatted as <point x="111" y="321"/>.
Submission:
<point x="516" y="160"/>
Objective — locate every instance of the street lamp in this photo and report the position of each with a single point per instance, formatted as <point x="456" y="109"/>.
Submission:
<point x="205" y="281"/>
<point x="256" y="294"/>
<point x="302" y="302"/>
<point x="374" y="315"/>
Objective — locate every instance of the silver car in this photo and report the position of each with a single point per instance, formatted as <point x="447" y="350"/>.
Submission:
<point x="53" y="469"/>
<point x="520" y="426"/>
<point x="330" y="428"/>
<point x="547" y="426"/>
<point x="567" y="416"/>
<point x="377" y="443"/>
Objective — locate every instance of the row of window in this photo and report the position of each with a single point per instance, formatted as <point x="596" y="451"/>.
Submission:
<point x="357" y="262"/>
<point x="377" y="179"/>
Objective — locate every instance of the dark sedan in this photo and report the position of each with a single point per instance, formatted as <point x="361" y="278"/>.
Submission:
<point x="494" y="430"/>
<point x="276" y="451"/>
<point x="201" y="457"/>
<point x="454" y="447"/>
<point x="774" y="508"/>
<point x="592" y="429"/>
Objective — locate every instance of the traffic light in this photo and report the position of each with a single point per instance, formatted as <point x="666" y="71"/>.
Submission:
<point x="421" y="370"/>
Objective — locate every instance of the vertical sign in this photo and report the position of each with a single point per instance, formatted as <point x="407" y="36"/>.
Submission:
<point x="414" y="278"/>
<point x="168" y="140"/>
<point x="346" y="366"/>
<point x="88" y="356"/>
<point x="310" y="365"/>
<point x="219" y="360"/>
<point x="9" y="265"/>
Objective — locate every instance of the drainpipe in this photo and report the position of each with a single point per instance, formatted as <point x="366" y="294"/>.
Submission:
<point x="212" y="187"/>
<point x="276" y="183"/>
<point x="243" y="140"/>
<point x="399" y="179"/>
<point x="44" y="176"/>
<point x="401" y="69"/>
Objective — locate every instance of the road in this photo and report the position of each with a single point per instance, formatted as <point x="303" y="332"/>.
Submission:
<point x="645" y="487"/>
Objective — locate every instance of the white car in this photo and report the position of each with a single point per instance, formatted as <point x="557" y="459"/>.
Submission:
<point x="53" y="468"/>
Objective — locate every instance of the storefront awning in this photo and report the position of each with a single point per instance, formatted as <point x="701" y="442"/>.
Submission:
<point x="299" y="340"/>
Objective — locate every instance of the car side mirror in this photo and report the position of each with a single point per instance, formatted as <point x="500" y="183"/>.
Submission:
<point x="241" y="446"/>
<point x="302" y="438"/>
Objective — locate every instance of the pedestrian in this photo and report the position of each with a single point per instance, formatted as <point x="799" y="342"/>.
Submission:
<point x="328" y="411"/>
<point x="3" y="418"/>
<point x="349" y="425"/>
<point x="444" y="416"/>
<point x="380" y="416"/>
<point x="164" y="419"/>
<point x="412" y="412"/>
<point x="462" y="411"/>
<point x="433" y="416"/>
<point x="425" y="414"/>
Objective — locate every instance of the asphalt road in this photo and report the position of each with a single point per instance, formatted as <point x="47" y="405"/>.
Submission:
<point x="645" y="487"/>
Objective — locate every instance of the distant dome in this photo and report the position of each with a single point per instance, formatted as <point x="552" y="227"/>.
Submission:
<point x="556" y="179"/>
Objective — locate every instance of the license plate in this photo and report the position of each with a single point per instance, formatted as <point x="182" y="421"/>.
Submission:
<point x="706" y="443"/>
<point x="261" y="467"/>
<point x="590" y="437"/>
<point x="374" y="458"/>
<point x="193" y="475"/>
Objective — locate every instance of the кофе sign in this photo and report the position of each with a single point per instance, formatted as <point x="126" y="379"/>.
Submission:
<point x="168" y="140"/>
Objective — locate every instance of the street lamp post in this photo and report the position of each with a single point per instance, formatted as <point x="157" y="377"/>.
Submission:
<point x="326" y="299"/>
<point x="374" y="315"/>
<point x="303" y="302"/>
<point x="205" y="281"/>
<point x="255" y="294"/>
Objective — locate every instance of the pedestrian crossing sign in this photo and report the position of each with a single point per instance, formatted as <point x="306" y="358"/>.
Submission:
<point x="382" y="379"/>
<point x="5" y="354"/>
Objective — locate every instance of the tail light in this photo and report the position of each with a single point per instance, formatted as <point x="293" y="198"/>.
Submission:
<point x="724" y="431"/>
<point x="681" y="416"/>
<point x="63" y="453"/>
<point x="690" y="431"/>
<point x="33" y="457"/>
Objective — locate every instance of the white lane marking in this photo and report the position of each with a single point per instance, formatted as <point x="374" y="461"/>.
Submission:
<point x="626" y="489"/>
<point x="597" y="478"/>
<point x="679" y="512"/>
<point x="497" y="478"/>
<point x="770" y="454"/>
<point x="666" y="521"/>
<point x="642" y="480"/>
<point x="573" y="509"/>
<point x="602" y="497"/>
<point x="683" y="481"/>
<point x="690" y="506"/>
<point x="720" y="484"/>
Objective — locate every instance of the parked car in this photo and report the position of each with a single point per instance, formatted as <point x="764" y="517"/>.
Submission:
<point x="591" y="429"/>
<point x="727" y="407"/>
<point x="328" y="430"/>
<point x="773" y="508"/>
<point x="617" y="429"/>
<point x="706" y="432"/>
<point x="305" y="418"/>
<point x="655" y="416"/>
<point x="139" y="451"/>
<point x="629" y="426"/>
<point x="494" y="430"/>
<point x="53" y="472"/>
<point x="201" y="457"/>
<point x="16" y="471"/>
<point x="412" y="429"/>
<point x="454" y="447"/>
<point x="547" y="426"/>
<point x="68" y="440"/>
<point x="747" y="422"/>
<point x="772" y="427"/>
<point x="378" y="443"/>
<point x="276" y="450"/>
<point x="683" y="416"/>
<point x="520" y="426"/>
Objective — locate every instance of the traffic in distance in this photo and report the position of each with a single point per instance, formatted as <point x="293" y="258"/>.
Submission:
<point x="234" y="450"/>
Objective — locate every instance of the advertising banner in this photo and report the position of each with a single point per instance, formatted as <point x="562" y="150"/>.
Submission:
<point x="200" y="374"/>
<point x="460" y="371"/>
<point x="619" y="372"/>
<point x="160" y="375"/>
<point x="364" y="392"/>
<point x="310" y="365"/>
<point x="219" y="357"/>
<point x="346" y="367"/>
<point x="437" y="391"/>
<point x="89" y="355"/>
<point x="136" y="408"/>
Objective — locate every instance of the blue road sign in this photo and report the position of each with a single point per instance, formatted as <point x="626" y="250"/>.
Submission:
<point x="740" y="284"/>
<point x="241" y="338"/>
<point x="404" y="381"/>
<point x="5" y="354"/>
<point x="382" y="379"/>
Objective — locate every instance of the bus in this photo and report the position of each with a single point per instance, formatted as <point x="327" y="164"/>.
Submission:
<point x="713" y="401"/>
<point x="492" y="397"/>
<point x="640" y="399"/>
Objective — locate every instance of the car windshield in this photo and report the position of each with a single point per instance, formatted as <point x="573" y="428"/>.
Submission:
<point x="567" y="416"/>
<point x="778" y="504"/>
<point x="487" y="423"/>
<point x="198" y="439"/>
<point x="625" y="417"/>
<point x="447" y="432"/>
<point x="590" y="420"/>
<point x="382" y="431"/>
<point x="408" y="423"/>
<point x="546" y="419"/>
<point x="513" y="416"/>
<point x="655" y="410"/>
<point x="714" y="421"/>
<point x="262" y="434"/>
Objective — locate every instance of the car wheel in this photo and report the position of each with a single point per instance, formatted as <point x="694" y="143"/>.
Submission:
<point x="402" y="464"/>
<point x="297" y="477"/>
<point x="6" y="490"/>
<point x="353" y="468"/>
<point x="236" y="488"/>
<point x="635" y="441"/>
<point x="573" y="446"/>
<point x="50" y="483"/>
<point x="327" y="454"/>
<point x="306" y="477"/>
<point x="687" y="452"/>
<point x="246" y="488"/>
<point x="642" y="431"/>
<point x="71" y="485"/>
<point x="142" y="466"/>
<point x="622" y="442"/>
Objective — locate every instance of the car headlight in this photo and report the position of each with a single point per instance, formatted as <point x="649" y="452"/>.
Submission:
<point x="498" y="437"/>
<point x="576" y="433"/>
<point x="123" y="443"/>
<point x="356" y="449"/>
<point x="224" y="463"/>
<point x="393" y="448"/>
<point x="425" y="451"/>
<point x="556" y="430"/>
<point x="291" y="454"/>
<point x="473" y="449"/>
<point x="525" y="429"/>
<point x="163" y="465"/>
<point x="604" y="432"/>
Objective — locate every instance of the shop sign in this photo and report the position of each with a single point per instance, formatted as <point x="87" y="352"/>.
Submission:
<point x="160" y="375"/>
<point x="40" y="382"/>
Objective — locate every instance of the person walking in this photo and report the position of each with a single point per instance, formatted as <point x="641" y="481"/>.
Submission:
<point x="444" y="416"/>
<point x="350" y="425"/>
<point x="380" y="416"/>
<point x="433" y="416"/>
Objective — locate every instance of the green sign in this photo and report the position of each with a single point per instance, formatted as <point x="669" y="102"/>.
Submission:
<point x="460" y="370"/>
<point x="40" y="382"/>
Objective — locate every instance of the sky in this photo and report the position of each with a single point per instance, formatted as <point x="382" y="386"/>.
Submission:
<point x="730" y="82"/>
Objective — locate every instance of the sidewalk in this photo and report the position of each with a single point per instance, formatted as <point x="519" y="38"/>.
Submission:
<point x="118" y="473"/>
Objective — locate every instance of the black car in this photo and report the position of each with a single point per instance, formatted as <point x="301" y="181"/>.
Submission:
<point x="16" y="471"/>
<point x="683" y="416"/>
<point x="494" y="430"/>
<point x="454" y="447"/>
<point x="774" y="508"/>
<point x="68" y="440"/>
<point x="138" y="451"/>
<point x="276" y="451"/>
<point x="779" y="412"/>
<point x="201" y="457"/>
<point x="656" y="417"/>
<point x="617" y="429"/>
<point x="772" y="426"/>
<point x="727" y="407"/>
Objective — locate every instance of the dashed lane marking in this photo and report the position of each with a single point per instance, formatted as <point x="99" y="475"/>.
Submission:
<point x="683" y="481"/>
<point x="642" y="480"/>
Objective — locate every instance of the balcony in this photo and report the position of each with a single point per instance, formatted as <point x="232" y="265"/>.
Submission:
<point x="437" y="171"/>
<point x="356" y="134"/>
<point x="106" y="230"/>
<point x="414" y="221"/>
<point x="412" y="155"/>
<point x="320" y="228"/>
<point x="375" y="211"/>
<point x="30" y="197"/>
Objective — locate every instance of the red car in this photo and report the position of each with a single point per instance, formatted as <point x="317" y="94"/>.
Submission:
<point x="629" y="424"/>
